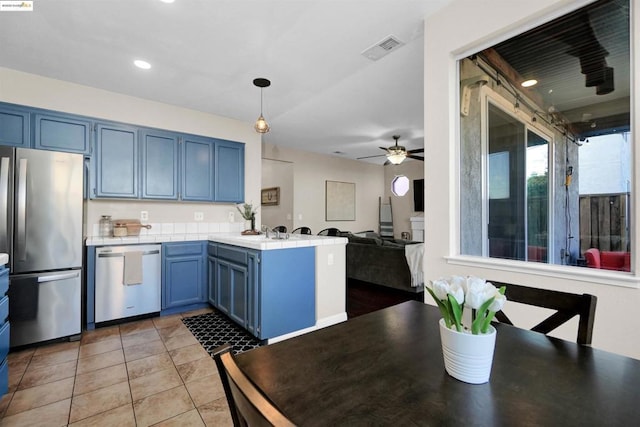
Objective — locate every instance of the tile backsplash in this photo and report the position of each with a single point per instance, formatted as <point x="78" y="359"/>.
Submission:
<point x="170" y="228"/>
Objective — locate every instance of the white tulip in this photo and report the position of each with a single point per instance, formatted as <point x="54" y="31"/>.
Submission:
<point x="440" y="287"/>
<point x="497" y="303"/>
<point x="458" y="292"/>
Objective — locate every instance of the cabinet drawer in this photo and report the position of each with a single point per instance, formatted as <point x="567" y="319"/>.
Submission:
<point x="177" y="249"/>
<point x="212" y="249"/>
<point x="4" y="309"/>
<point x="239" y="256"/>
<point x="4" y="281"/>
<point x="4" y="341"/>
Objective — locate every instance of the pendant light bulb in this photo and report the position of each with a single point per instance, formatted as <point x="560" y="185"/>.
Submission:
<point x="261" y="125"/>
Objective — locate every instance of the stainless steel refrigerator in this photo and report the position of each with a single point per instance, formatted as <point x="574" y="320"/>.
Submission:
<point x="41" y="230"/>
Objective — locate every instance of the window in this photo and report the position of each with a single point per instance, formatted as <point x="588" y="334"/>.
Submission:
<point x="400" y="185"/>
<point x="545" y="171"/>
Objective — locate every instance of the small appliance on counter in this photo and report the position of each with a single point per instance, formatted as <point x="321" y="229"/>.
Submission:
<point x="128" y="227"/>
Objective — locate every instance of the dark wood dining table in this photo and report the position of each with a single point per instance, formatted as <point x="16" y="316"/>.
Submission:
<point x="386" y="368"/>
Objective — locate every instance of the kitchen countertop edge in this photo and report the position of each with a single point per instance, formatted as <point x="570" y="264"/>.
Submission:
<point x="250" y="242"/>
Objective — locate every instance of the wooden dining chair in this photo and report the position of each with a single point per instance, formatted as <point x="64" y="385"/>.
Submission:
<point x="248" y="406"/>
<point x="567" y="305"/>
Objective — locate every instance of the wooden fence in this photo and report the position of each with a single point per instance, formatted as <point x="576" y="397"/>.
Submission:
<point x="604" y="222"/>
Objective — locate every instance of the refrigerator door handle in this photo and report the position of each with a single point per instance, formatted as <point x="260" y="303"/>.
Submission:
<point x="56" y="277"/>
<point x="4" y="205"/>
<point x="21" y="241"/>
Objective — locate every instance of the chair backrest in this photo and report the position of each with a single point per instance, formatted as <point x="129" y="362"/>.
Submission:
<point x="248" y="406"/>
<point x="329" y="232"/>
<point x="302" y="230"/>
<point x="567" y="306"/>
<point x="281" y="229"/>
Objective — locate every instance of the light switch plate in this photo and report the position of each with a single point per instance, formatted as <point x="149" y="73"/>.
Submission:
<point x="231" y="216"/>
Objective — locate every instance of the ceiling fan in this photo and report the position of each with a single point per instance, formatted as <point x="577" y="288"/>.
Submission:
<point x="397" y="153"/>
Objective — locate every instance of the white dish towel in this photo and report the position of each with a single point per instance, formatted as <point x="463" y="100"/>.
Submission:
<point x="415" y="256"/>
<point x="132" y="268"/>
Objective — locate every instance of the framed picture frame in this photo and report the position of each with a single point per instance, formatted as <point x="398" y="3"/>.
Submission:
<point x="340" y="204"/>
<point x="270" y="196"/>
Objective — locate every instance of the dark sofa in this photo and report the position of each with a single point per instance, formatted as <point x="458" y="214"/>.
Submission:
<point x="379" y="261"/>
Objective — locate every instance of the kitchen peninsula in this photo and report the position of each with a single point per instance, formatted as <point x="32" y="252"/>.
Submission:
<point x="274" y="288"/>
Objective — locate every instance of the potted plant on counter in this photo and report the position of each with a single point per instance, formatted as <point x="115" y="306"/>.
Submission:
<point x="249" y="214"/>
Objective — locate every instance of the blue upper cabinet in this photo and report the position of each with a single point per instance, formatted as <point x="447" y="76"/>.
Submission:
<point x="158" y="165"/>
<point x="62" y="133"/>
<point x="14" y="126"/>
<point x="116" y="161"/>
<point x="197" y="168"/>
<point x="229" y="172"/>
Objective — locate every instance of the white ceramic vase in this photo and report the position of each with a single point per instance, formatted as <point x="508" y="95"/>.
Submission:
<point x="467" y="357"/>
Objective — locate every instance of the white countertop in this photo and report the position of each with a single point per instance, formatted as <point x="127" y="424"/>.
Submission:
<point x="253" y="242"/>
<point x="4" y="259"/>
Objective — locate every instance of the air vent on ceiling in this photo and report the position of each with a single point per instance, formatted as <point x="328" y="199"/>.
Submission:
<point x="382" y="48"/>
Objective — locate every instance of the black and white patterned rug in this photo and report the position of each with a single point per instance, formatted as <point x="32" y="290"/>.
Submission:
<point x="215" y="329"/>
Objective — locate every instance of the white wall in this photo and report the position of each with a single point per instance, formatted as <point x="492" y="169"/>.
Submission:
<point x="276" y="173"/>
<point x="617" y="323"/>
<point x="36" y="91"/>
<point x="311" y="170"/>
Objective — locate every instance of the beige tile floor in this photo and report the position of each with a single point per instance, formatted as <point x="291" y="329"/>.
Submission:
<point x="150" y="372"/>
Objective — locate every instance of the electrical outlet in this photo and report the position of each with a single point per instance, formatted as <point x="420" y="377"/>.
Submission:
<point x="144" y="215"/>
<point x="232" y="216"/>
<point x="198" y="216"/>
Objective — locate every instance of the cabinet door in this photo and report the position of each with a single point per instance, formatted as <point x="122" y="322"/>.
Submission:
<point x="229" y="171"/>
<point x="62" y="133"/>
<point x="253" y="296"/>
<point x="212" y="282"/>
<point x="116" y="161"/>
<point x="184" y="279"/>
<point x="197" y="169"/>
<point x="159" y="165"/>
<point x="233" y="293"/>
<point x="14" y="127"/>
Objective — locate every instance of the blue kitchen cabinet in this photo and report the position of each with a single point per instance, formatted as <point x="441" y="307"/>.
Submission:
<point x="269" y="293"/>
<point x="4" y="330"/>
<point x="62" y="133"/>
<point x="229" y="171"/>
<point x="197" y="168"/>
<point x="212" y="268"/>
<point x="116" y="161"/>
<point x="184" y="274"/>
<point x="233" y="285"/>
<point x="14" y="126"/>
<point x="159" y="164"/>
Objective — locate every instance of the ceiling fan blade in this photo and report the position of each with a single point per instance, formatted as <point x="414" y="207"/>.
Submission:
<point x="369" y="157"/>
<point x="417" y="150"/>
<point x="386" y="163"/>
<point x="415" y="157"/>
<point x="384" y="148"/>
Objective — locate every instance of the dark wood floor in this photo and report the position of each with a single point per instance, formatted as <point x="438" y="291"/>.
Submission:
<point x="363" y="298"/>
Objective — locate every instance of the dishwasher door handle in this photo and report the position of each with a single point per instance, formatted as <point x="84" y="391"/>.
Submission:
<point x="121" y="254"/>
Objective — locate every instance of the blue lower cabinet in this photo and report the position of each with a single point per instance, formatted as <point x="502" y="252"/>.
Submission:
<point x="285" y="295"/>
<point x="184" y="274"/>
<point x="269" y="293"/>
<point x="4" y="330"/>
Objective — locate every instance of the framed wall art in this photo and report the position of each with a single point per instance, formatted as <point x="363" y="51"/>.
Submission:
<point x="270" y="196"/>
<point x="340" y="201"/>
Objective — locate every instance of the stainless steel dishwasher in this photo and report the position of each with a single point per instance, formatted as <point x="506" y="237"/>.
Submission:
<point x="115" y="296"/>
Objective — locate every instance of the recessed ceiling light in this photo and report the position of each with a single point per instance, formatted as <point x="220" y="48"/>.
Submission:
<point x="529" y="83"/>
<point x="167" y="1"/>
<point x="142" y="64"/>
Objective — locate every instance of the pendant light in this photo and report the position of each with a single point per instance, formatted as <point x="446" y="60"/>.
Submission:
<point x="261" y="125"/>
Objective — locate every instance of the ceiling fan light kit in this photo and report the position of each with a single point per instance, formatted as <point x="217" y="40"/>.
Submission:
<point x="261" y="125"/>
<point x="397" y="157"/>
